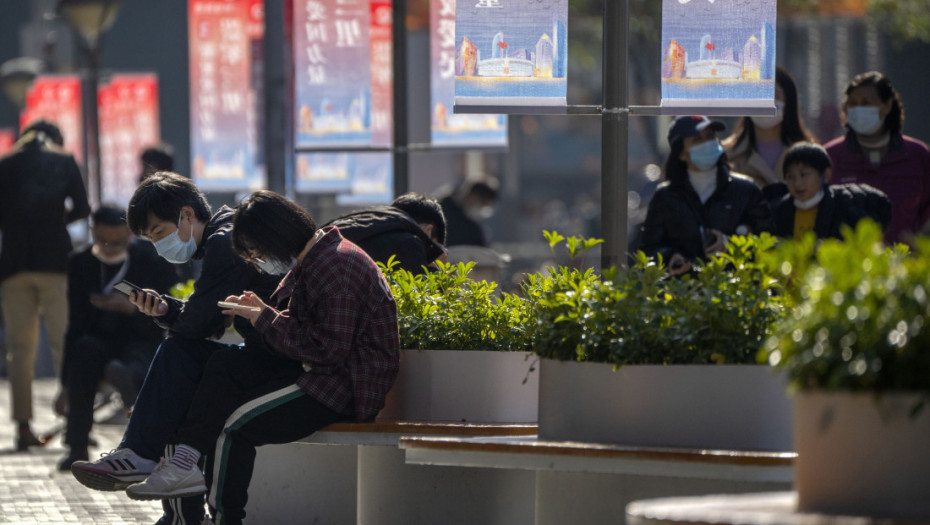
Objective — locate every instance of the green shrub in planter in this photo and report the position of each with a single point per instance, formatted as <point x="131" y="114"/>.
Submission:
<point x="862" y="314"/>
<point x="720" y="314"/>
<point x="447" y="310"/>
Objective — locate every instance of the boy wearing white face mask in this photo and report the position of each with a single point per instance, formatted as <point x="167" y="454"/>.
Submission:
<point x="813" y="206"/>
<point x="874" y="151"/>
<point x="757" y="146"/>
<point x="701" y="201"/>
<point x="168" y="210"/>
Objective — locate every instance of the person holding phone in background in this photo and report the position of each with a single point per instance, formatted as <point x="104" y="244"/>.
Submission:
<point x="107" y="337"/>
<point x="701" y="201"/>
<point x="171" y="212"/>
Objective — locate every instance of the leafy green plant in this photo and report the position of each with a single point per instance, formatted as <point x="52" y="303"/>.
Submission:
<point x="182" y="290"/>
<point x="721" y="314"/>
<point x="861" y="314"/>
<point x="447" y="310"/>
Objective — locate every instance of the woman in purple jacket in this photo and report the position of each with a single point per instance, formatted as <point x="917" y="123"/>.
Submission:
<point x="875" y="152"/>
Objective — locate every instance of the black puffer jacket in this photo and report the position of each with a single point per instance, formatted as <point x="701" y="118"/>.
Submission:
<point x="676" y="219"/>
<point x="842" y="204"/>
<point x="387" y="231"/>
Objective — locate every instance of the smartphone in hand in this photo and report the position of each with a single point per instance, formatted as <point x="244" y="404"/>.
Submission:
<point x="236" y="306"/>
<point x="127" y="287"/>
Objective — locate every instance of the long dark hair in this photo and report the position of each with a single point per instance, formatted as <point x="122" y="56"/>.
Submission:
<point x="894" y="120"/>
<point x="271" y="225"/>
<point x="792" y="125"/>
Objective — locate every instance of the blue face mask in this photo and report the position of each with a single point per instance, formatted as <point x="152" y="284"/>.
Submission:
<point x="864" y="120"/>
<point x="276" y="267"/>
<point x="173" y="249"/>
<point x="706" y="154"/>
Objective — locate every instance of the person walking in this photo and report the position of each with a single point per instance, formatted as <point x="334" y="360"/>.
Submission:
<point x="41" y="192"/>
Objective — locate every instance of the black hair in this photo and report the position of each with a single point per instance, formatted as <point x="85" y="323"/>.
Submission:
<point x="485" y="189"/>
<point x="109" y="214"/>
<point x="894" y="120"/>
<point x="676" y="170"/>
<point x="159" y="157"/>
<point x="271" y="225"/>
<point x="792" y="126"/>
<point x="163" y="195"/>
<point x="40" y="130"/>
<point x="423" y="210"/>
<point x="807" y="154"/>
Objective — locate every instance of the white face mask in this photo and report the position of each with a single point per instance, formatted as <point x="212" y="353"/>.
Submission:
<point x="173" y="249"/>
<point x="771" y="122"/>
<point x="276" y="267"/>
<point x="864" y="120"/>
<point x="809" y="203"/>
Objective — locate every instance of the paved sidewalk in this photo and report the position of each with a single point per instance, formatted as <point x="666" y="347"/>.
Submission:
<point x="33" y="491"/>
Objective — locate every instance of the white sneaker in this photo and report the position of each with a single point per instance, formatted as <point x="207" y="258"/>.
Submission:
<point x="115" y="470"/>
<point x="169" y="481"/>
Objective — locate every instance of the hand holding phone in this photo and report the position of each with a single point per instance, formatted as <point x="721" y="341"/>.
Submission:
<point x="127" y="287"/>
<point x="236" y="306"/>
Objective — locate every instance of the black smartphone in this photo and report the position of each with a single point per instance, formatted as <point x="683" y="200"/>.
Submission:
<point x="127" y="287"/>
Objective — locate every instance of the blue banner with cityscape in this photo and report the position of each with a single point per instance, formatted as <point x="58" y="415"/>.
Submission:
<point x="332" y="73"/>
<point x="718" y="53"/>
<point x="355" y="178"/>
<point x="511" y="52"/>
<point x="448" y="128"/>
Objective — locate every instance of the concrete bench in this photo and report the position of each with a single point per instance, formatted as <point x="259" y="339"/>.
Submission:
<point x="592" y="483"/>
<point x="359" y="475"/>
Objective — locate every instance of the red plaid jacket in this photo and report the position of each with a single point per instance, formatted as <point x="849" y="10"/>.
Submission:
<point x="335" y="313"/>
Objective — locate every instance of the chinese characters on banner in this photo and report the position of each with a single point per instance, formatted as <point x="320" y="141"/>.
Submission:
<point x="223" y="140"/>
<point x="344" y="97"/>
<point x="7" y="139"/>
<point x="718" y="53"/>
<point x="57" y="98"/>
<point x="128" y="123"/>
<point x="511" y="52"/>
<point x="447" y="128"/>
<point x="333" y="73"/>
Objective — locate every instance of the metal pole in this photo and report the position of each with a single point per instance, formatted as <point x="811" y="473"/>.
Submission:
<point x="401" y="132"/>
<point x="275" y="98"/>
<point x="93" y="122"/>
<point x="615" y="122"/>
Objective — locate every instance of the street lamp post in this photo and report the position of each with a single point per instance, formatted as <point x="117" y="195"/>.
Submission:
<point x="90" y="19"/>
<point x="16" y="75"/>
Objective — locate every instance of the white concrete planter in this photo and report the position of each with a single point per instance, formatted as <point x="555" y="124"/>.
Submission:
<point x="464" y="385"/>
<point x="862" y="455"/>
<point x="733" y="407"/>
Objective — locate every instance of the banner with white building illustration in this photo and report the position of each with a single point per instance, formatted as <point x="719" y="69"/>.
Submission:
<point x="718" y="53"/>
<point x="511" y="52"/>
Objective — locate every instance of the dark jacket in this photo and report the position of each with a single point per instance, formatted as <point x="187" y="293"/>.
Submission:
<point x="460" y="228"/>
<point x="223" y="273"/>
<point x="36" y="179"/>
<point x="843" y="204"/>
<point x="383" y="232"/>
<point x="676" y="218"/>
<point x="88" y="276"/>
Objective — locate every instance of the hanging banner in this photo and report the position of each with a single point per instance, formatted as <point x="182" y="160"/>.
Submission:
<point x="333" y="99"/>
<point x="382" y="73"/>
<point x="222" y="146"/>
<point x="7" y="139"/>
<point x="322" y="173"/>
<point x="128" y="123"/>
<point x="447" y="128"/>
<point x="372" y="180"/>
<point x="511" y="52"/>
<point x="718" y="54"/>
<point x="57" y="98"/>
